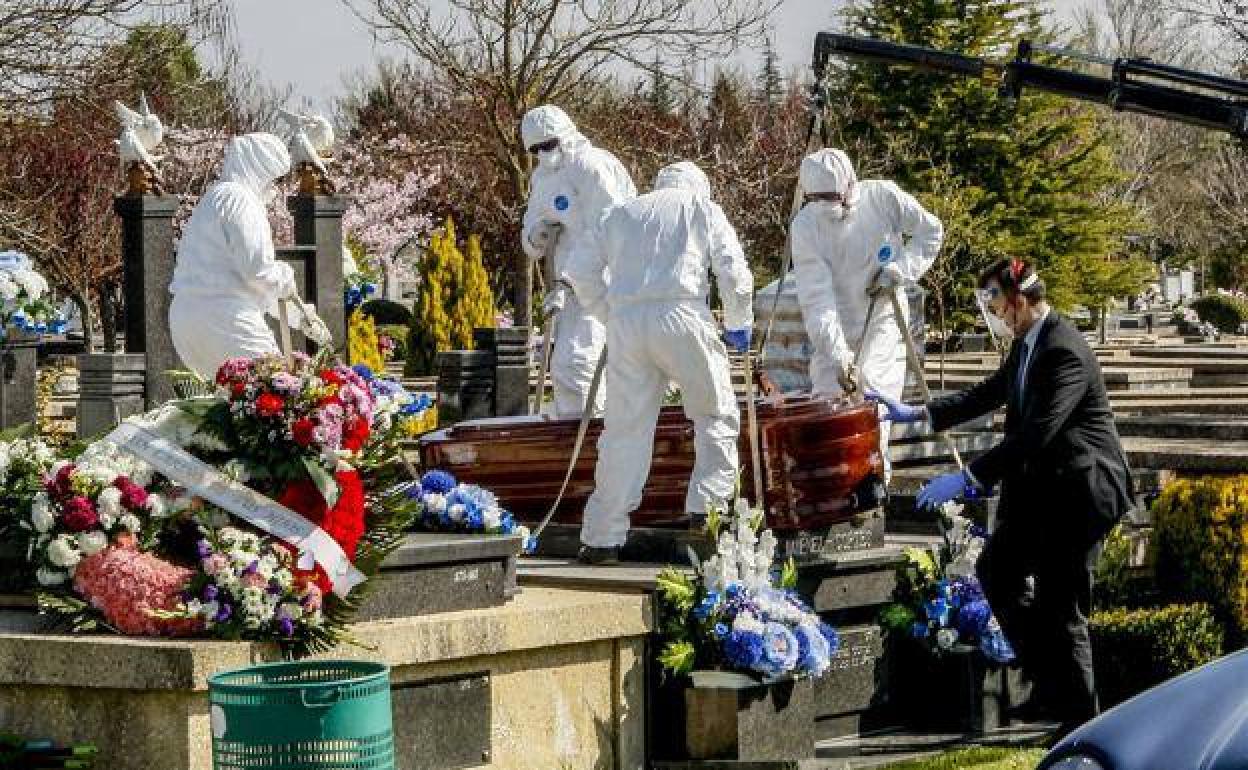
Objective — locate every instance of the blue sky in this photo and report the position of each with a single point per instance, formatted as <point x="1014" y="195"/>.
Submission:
<point x="326" y="43"/>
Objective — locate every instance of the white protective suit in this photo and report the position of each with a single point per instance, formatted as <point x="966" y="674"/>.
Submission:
<point x="226" y="277"/>
<point x="652" y="266"/>
<point x="573" y="187"/>
<point x="838" y="248"/>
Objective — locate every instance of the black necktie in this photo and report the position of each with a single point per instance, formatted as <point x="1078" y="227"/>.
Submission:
<point x="1022" y="372"/>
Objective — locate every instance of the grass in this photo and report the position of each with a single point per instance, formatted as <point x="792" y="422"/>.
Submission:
<point x="977" y="758"/>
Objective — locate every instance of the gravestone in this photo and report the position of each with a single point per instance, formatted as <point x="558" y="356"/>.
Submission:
<point x="147" y="254"/>
<point x="465" y="385"/>
<point x="511" y="367"/>
<point x="18" y="372"/>
<point x="110" y="389"/>
<point x="318" y="223"/>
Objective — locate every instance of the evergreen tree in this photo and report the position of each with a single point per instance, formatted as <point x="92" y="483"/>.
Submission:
<point x="769" y="85"/>
<point x="476" y="299"/>
<point x="661" y="98"/>
<point x="362" y="344"/>
<point x="1036" y="170"/>
<point x="460" y="332"/>
<point x="454" y="299"/>
<point x="430" y="329"/>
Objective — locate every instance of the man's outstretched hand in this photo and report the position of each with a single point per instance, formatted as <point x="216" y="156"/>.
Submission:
<point x="942" y="489"/>
<point x="898" y="411"/>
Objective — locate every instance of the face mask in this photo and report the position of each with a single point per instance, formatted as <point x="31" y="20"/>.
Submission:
<point x="550" y="160"/>
<point x="996" y="325"/>
<point x="829" y="209"/>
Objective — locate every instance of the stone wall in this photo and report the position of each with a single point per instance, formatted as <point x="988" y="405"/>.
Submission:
<point x="553" y="679"/>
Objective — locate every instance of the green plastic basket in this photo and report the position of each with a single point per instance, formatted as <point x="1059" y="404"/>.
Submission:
<point x="314" y="715"/>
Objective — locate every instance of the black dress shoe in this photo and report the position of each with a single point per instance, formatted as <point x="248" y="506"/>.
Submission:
<point x="1031" y="711"/>
<point x="598" y="557"/>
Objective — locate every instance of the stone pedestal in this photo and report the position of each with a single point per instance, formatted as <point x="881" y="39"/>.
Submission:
<point x="110" y="388"/>
<point x="147" y="268"/>
<point x="745" y="722"/>
<point x="18" y="372"/>
<point x="960" y="691"/>
<point x="465" y="385"/>
<point x="553" y="679"/>
<point x="318" y="223"/>
<point x="511" y="367"/>
<point x="436" y="572"/>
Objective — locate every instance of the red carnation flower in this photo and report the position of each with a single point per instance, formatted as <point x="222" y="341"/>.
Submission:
<point x="330" y="376"/>
<point x="355" y="434"/>
<point x="59" y="485"/>
<point x="237" y="390"/>
<point x="133" y="496"/>
<point x="269" y="405"/>
<point x="302" y="431"/>
<point x="79" y="514"/>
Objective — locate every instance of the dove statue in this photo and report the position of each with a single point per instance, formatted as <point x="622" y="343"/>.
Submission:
<point x="141" y="134"/>
<point x="311" y="141"/>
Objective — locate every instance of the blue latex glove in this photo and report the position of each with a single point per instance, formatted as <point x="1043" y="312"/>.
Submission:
<point x="942" y="489"/>
<point x="738" y="339"/>
<point x="898" y="411"/>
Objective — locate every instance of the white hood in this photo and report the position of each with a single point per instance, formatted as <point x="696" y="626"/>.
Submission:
<point x="255" y="161"/>
<point x="683" y="176"/>
<point x="830" y="170"/>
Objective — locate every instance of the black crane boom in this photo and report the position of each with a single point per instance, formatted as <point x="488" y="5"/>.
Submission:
<point x="1134" y="85"/>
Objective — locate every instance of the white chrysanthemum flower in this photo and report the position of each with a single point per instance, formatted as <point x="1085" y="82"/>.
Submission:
<point x="434" y="502"/>
<point x="92" y="542"/>
<point x="8" y="288"/>
<point x="744" y="621"/>
<point x="63" y="552"/>
<point x="107" y="520"/>
<point x="50" y="577"/>
<point x="41" y="513"/>
<point x="130" y="522"/>
<point x="156" y="506"/>
<point x="946" y="638"/>
<point x="456" y="512"/>
<point x="109" y="501"/>
<point x="492" y="517"/>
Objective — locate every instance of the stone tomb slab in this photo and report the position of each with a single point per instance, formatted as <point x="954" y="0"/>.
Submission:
<point x="435" y="572"/>
<point x="426" y="739"/>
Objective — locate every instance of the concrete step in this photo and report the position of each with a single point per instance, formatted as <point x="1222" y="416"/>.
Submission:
<point x="1116" y="378"/>
<point x="1184" y="426"/>
<point x="879" y="750"/>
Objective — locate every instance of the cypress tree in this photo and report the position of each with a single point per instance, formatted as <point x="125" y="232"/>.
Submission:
<point x="476" y="300"/>
<point x="430" y="329"/>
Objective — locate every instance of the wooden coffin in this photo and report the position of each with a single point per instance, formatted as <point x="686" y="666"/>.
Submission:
<point x="821" y="462"/>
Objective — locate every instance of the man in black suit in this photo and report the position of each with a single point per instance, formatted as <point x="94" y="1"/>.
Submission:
<point x="1064" y="483"/>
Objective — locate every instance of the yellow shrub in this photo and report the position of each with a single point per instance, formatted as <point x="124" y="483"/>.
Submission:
<point x="362" y="342"/>
<point x="1200" y="533"/>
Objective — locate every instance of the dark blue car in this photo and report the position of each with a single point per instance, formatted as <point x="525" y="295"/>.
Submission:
<point x="1197" y="721"/>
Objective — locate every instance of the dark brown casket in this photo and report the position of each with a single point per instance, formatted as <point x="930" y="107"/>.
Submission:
<point x="821" y="462"/>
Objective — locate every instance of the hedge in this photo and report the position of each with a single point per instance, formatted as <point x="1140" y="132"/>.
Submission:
<point x="1224" y="312"/>
<point x="386" y="312"/>
<point x="1134" y="650"/>
<point x="1200" y="542"/>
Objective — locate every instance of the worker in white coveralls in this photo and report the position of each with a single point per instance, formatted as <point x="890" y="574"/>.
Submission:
<point x="651" y="269"/>
<point x="227" y="278"/>
<point x="853" y="239"/>
<point x="572" y="185"/>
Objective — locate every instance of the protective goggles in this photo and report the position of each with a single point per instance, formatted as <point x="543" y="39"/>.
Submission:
<point x="546" y="146"/>
<point x="830" y="197"/>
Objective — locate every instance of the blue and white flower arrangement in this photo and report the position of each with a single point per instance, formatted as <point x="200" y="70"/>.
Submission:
<point x="940" y="602"/>
<point x="24" y="298"/>
<point x="357" y="289"/>
<point x="449" y="506"/>
<point x="735" y="612"/>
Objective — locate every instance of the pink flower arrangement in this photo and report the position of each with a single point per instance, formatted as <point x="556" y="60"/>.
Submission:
<point x="129" y="587"/>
